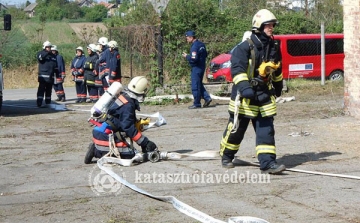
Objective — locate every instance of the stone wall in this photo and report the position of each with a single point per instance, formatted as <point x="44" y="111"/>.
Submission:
<point x="352" y="57"/>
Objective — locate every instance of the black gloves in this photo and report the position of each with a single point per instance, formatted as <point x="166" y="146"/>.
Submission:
<point x="245" y="89"/>
<point x="148" y="146"/>
<point x="278" y="88"/>
<point x="262" y="96"/>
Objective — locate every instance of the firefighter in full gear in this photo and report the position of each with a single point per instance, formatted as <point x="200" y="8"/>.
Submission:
<point x="257" y="77"/>
<point x="77" y="71"/>
<point x="46" y="73"/>
<point x="114" y="64"/>
<point x="90" y="73"/>
<point x="101" y="66"/>
<point x="60" y="75"/>
<point x="120" y="118"/>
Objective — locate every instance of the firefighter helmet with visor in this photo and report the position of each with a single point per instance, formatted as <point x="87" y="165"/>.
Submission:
<point x="138" y="85"/>
<point x="263" y="17"/>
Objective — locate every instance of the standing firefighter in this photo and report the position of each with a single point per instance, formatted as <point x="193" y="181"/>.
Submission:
<point x="114" y="62"/>
<point x="90" y="73"/>
<point x="77" y="71"/>
<point x="103" y="73"/>
<point x="47" y="68"/>
<point x="60" y="75"/>
<point x="257" y="77"/>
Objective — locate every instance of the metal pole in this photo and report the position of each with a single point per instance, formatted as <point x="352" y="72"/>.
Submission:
<point x="322" y="54"/>
<point x="160" y="56"/>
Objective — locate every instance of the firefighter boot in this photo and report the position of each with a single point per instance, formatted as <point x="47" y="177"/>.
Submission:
<point x="90" y="153"/>
<point x="227" y="157"/>
<point x="268" y="164"/>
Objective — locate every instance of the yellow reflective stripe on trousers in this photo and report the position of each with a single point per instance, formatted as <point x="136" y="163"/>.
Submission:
<point x="224" y="141"/>
<point x="240" y="77"/>
<point x="269" y="109"/>
<point x="245" y="108"/>
<point x="265" y="149"/>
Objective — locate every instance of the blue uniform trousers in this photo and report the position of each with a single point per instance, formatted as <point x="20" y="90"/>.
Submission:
<point x="197" y="86"/>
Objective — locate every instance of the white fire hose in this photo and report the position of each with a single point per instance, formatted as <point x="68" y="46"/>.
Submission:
<point x="181" y="206"/>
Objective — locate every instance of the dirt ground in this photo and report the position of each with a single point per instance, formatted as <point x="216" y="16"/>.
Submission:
<point x="44" y="178"/>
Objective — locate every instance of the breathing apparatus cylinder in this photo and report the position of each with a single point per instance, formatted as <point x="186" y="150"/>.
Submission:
<point x="106" y="100"/>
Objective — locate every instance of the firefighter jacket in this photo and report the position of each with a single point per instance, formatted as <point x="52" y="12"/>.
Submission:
<point x="114" y="66"/>
<point x="47" y="66"/>
<point x="246" y="75"/>
<point x="197" y="56"/>
<point x="102" y="63"/>
<point x="121" y="117"/>
<point x="60" y="71"/>
<point x="89" y="69"/>
<point x="77" y="68"/>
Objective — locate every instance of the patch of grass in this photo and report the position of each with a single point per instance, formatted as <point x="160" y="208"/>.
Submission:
<point x="168" y="101"/>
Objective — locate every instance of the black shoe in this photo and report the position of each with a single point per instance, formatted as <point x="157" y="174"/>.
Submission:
<point x="90" y="101"/>
<point x="274" y="169"/>
<point x="226" y="163"/>
<point x="58" y="99"/>
<point x="83" y="100"/>
<point x="90" y="154"/>
<point x="63" y="99"/>
<point x="207" y="103"/>
<point x="193" y="107"/>
<point x="78" y="100"/>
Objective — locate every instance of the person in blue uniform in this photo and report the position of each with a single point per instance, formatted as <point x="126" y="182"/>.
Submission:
<point x="197" y="62"/>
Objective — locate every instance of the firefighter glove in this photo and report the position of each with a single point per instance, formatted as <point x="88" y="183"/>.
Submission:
<point x="245" y="89"/>
<point x="149" y="147"/>
<point x="104" y="128"/>
<point x="278" y="88"/>
<point x="262" y="96"/>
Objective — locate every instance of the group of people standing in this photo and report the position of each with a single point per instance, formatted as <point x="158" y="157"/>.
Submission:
<point x="92" y="74"/>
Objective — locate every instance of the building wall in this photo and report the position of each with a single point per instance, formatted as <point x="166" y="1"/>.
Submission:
<point x="352" y="57"/>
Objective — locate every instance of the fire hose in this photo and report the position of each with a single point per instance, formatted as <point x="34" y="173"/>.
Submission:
<point x="179" y="205"/>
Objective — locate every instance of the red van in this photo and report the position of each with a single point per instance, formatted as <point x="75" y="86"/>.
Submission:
<point x="301" y="57"/>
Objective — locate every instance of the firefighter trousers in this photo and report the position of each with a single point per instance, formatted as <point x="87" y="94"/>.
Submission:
<point x="44" y="88"/>
<point x="265" y="139"/>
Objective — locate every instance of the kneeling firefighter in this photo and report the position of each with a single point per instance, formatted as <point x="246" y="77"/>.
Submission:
<point x="119" y="117"/>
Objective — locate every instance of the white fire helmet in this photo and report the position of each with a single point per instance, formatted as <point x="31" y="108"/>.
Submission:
<point x="103" y="41"/>
<point x="262" y="17"/>
<point x="92" y="47"/>
<point x="80" y="48"/>
<point x="54" y="47"/>
<point x="113" y="44"/>
<point x="46" y="44"/>
<point x="138" y="85"/>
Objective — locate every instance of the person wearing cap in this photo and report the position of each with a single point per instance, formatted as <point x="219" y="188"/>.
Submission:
<point x="197" y="62"/>
<point x="253" y="94"/>
<point x="47" y="66"/>
<point x="60" y="75"/>
<point x="90" y="73"/>
<point x="77" y="71"/>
